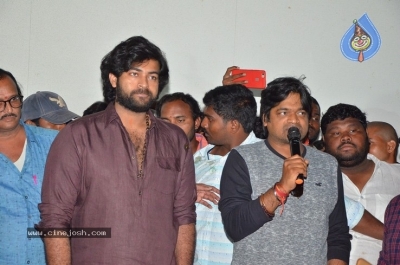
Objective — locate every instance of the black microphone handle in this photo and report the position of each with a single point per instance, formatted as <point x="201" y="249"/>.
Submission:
<point x="295" y="150"/>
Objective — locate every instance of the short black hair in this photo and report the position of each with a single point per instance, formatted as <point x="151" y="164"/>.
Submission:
<point x="342" y="111"/>
<point x="4" y="73"/>
<point x="95" y="107"/>
<point x="313" y="100"/>
<point x="187" y="98"/>
<point x="279" y="89"/>
<point x="233" y="102"/>
<point x="259" y="129"/>
<point x="136" y="49"/>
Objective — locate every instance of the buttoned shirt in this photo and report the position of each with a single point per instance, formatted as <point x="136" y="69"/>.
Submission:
<point x="20" y="195"/>
<point x="91" y="181"/>
<point x="383" y="185"/>
<point x="390" y="253"/>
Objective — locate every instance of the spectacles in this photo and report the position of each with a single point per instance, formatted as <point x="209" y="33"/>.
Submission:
<point x="15" y="102"/>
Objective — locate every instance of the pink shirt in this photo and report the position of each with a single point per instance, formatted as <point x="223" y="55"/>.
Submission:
<point x="202" y="141"/>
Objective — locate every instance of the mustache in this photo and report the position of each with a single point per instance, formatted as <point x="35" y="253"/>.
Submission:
<point x="341" y="145"/>
<point x="8" y="115"/>
<point x="288" y="127"/>
<point x="141" y="91"/>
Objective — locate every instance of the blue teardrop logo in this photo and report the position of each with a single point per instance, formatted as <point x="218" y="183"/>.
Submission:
<point x="361" y="41"/>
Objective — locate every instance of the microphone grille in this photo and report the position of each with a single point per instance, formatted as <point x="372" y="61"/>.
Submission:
<point x="293" y="133"/>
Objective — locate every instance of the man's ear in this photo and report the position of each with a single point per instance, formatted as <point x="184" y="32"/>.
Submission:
<point x="234" y="125"/>
<point x="391" y="146"/>
<point x="30" y="122"/>
<point x="264" y="120"/>
<point x="113" y="80"/>
<point x="197" y="123"/>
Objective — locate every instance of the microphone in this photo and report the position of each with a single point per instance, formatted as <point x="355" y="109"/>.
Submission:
<point x="294" y="141"/>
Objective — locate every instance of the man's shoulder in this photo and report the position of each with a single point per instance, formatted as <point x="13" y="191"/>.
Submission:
<point x="95" y="118"/>
<point x="251" y="147"/>
<point x="395" y="201"/>
<point x="386" y="168"/>
<point x="39" y="133"/>
<point x="317" y="154"/>
<point x="169" y="130"/>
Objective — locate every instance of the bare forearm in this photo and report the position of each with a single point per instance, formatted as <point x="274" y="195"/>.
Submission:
<point x="370" y="226"/>
<point x="184" y="251"/>
<point x="58" y="251"/>
<point x="336" y="262"/>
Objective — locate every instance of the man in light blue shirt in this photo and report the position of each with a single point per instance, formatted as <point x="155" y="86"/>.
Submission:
<point x="23" y="152"/>
<point x="229" y="115"/>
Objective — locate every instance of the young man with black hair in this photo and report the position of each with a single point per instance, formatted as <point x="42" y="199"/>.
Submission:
<point x="229" y="115"/>
<point x="365" y="179"/>
<point x="123" y="169"/>
<point x="258" y="178"/>
<point x="314" y="125"/>
<point x="184" y="111"/>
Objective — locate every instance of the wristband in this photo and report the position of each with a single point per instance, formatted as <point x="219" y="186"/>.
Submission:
<point x="281" y="195"/>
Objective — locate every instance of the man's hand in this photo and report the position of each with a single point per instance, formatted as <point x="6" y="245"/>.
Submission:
<point x="336" y="262"/>
<point x="292" y="167"/>
<point x="206" y="192"/>
<point x="229" y="79"/>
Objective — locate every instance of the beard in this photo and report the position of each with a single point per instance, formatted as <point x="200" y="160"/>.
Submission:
<point x="350" y="160"/>
<point x="128" y="102"/>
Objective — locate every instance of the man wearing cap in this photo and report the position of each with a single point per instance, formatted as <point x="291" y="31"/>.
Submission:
<point x="47" y="110"/>
<point x="23" y="152"/>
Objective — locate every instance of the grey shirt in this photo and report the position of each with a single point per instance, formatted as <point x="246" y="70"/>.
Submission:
<point x="312" y="229"/>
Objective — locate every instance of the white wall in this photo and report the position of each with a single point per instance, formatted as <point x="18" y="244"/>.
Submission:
<point x="58" y="45"/>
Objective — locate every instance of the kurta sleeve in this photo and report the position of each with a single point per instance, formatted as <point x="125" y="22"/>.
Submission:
<point x="61" y="183"/>
<point x="184" y="205"/>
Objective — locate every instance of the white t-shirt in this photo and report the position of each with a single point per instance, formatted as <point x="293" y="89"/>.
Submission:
<point x="21" y="160"/>
<point x="383" y="185"/>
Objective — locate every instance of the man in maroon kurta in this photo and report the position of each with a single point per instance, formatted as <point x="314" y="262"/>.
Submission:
<point x="122" y="169"/>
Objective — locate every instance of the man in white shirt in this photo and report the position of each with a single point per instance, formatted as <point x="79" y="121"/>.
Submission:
<point x="229" y="116"/>
<point x="367" y="180"/>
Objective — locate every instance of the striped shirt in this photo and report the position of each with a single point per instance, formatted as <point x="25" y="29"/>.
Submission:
<point x="212" y="245"/>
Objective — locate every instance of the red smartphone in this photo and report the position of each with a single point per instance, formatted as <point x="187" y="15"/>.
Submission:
<point x="255" y="78"/>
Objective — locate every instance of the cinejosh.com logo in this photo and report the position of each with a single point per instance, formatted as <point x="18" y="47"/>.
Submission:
<point x="69" y="233"/>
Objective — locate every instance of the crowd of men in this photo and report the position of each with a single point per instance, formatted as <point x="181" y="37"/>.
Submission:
<point x="122" y="185"/>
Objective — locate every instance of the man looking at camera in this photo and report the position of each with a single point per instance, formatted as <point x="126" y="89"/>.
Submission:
<point x="124" y="169"/>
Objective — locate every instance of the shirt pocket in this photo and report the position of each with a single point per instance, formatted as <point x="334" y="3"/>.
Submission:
<point x="167" y="174"/>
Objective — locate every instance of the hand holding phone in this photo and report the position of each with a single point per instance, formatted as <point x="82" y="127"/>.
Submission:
<point x="251" y="78"/>
<point x="247" y="77"/>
